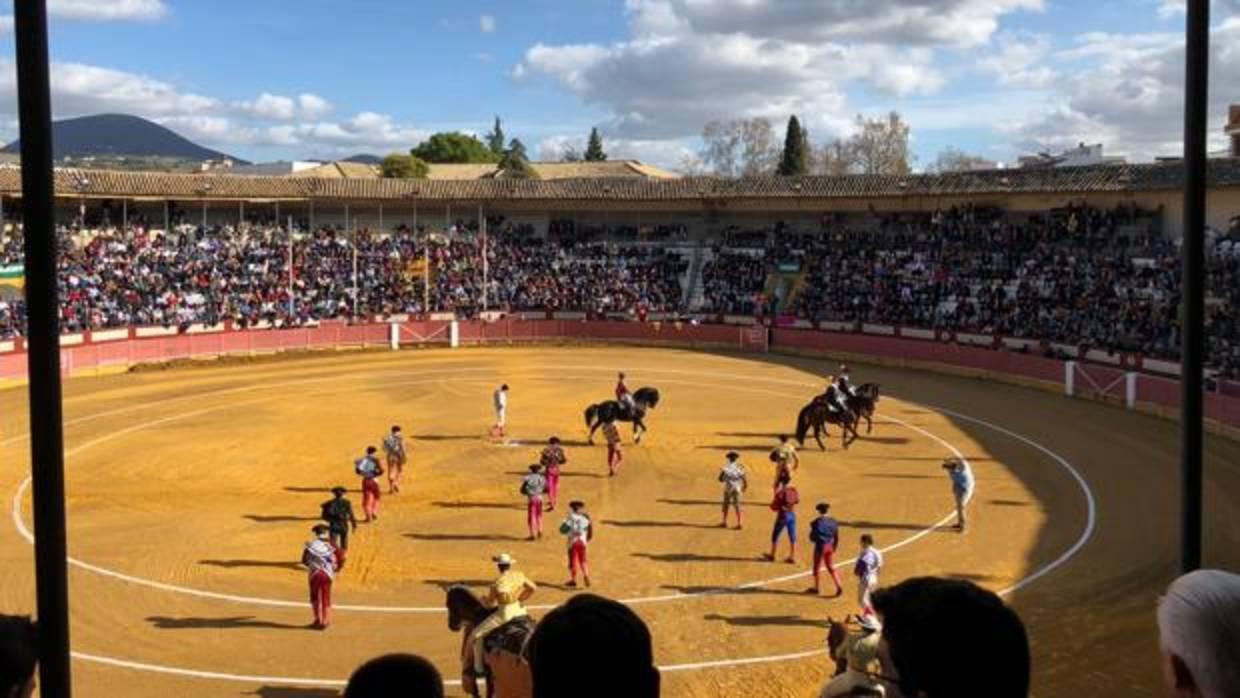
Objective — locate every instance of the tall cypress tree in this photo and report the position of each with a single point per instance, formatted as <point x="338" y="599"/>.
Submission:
<point x="795" y="160"/>
<point x="594" y="148"/>
<point x="495" y="139"/>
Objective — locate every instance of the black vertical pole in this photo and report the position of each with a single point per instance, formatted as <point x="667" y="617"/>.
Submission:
<point x="43" y="346"/>
<point x="1196" y="89"/>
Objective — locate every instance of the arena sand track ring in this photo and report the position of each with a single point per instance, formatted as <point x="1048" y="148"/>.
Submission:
<point x="184" y="483"/>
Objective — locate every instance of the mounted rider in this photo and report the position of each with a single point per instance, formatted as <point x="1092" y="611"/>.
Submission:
<point x="834" y="397"/>
<point x="507" y="596"/>
<point x="623" y="396"/>
<point x="843" y="382"/>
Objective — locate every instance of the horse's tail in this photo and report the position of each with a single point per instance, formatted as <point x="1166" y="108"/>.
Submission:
<point x="591" y="411"/>
<point x="803" y="424"/>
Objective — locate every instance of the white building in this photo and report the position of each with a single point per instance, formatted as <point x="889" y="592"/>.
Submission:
<point x="1081" y="156"/>
<point x="280" y="168"/>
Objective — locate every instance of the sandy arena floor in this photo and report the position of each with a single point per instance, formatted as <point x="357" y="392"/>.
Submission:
<point x="191" y="492"/>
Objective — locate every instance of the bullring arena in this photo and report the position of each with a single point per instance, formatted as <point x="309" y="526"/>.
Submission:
<point x="192" y="485"/>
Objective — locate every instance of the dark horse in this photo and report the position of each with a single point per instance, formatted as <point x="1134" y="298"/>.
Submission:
<point x="817" y="415"/>
<point x="837" y="633"/>
<point x="862" y="404"/>
<point x="643" y="398"/>
<point x="465" y="612"/>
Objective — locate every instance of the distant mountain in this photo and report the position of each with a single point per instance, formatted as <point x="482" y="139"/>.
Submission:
<point x="365" y="158"/>
<point x="114" y="135"/>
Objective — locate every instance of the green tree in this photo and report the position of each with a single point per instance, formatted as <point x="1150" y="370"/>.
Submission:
<point x="515" y="164"/>
<point x="401" y="166"/>
<point x="795" y="160"/>
<point x="495" y="139"/>
<point x="594" y="148"/>
<point x="454" y="147"/>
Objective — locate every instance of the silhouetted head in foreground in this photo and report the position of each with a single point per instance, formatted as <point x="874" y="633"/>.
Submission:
<point x="1199" y="633"/>
<point x="395" y="676"/>
<point x="592" y="646"/>
<point x="19" y="654"/>
<point x="928" y="622"/>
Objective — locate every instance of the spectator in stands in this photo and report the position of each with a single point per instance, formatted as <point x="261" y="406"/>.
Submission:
<point x="1199" y="633"/>
<point x="927" y="623"/>
<point x="592" y="646"/>
<point x="1076" y="276"/>
<point x="395" y="676"/>
<point x="19" y="656"/>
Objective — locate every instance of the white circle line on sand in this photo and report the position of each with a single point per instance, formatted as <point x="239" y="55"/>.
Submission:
<point x="1086" y="535"/>
<point x="338" y="683"/>
<point x="22" y="530"/>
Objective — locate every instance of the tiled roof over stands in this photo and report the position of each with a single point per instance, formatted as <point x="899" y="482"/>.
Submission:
<point x="1082" y="180"/>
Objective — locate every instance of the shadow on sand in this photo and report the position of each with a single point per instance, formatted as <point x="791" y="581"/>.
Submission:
<point x="446" y="437"/>
<point x="271" y="564"/>
<point x="477" y="505"/>
<point x="445" y="583"/>
<point x="694" y="557"/>
<point x="224" y="623"/>
<point x="278" y="518"/>
<point x="657" y="524"/>
<point x="785" y="621"/>
<point x="294" y="692"/>
<point x="462" y="537"/>
<point x="705" y="502"/>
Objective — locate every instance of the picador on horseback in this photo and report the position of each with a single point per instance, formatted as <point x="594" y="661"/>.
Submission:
<point x="623" y="396"/>
<point x="857" y="400"/>
<point x="627" y="407"/>
<point x="843" y="382"/>
<point x="835" y="397"/>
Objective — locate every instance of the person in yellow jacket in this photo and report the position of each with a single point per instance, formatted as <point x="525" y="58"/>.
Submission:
<point x="507" y="596"/>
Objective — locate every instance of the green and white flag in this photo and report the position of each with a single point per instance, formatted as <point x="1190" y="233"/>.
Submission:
<point x="13" y="275"/>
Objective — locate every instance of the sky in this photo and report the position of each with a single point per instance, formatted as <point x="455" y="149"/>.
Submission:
<point x="277" y="79"/>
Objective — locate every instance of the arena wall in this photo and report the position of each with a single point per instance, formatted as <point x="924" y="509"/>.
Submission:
<point x="1127" y="381"/>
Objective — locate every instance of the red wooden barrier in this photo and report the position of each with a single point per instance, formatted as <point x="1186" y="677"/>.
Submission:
<point x="1223" y="405"/>
<point x="999" y="361"/>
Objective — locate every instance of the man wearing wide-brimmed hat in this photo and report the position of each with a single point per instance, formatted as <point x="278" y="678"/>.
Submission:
<point x="338" y="513"/>
<point x="507" y="596"/>
<point x="322" y="559"/>
<point x="860" y="652"/>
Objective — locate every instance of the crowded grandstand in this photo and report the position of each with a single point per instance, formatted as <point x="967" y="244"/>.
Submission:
<point x="1079" y="275"/>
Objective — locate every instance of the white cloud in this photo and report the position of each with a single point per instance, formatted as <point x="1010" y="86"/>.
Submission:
<point x="1126" y="91"/>
<point x="654" y="18"/>
<point x="269" y="120"/>
<point x="687" y="62"/>
<point x="313" y="106"/>
<point x="270" y="106"/>
<point x="107" y="10"/>
<point x="87" y="89"/>
<point x="666" y="153"/>
<point x="366" y="131"/>
<point x="1018" y="60"/>
<point x="486" y="23"/>
<point x="925" y="22"/>
<point x="98" y="11"/>
<point x="1171" y="8"/>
